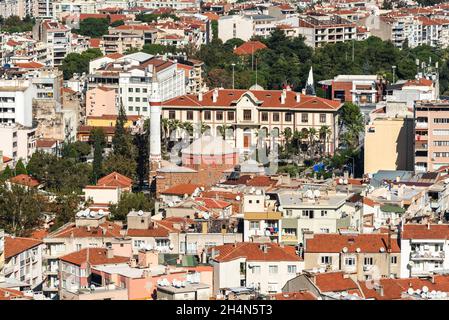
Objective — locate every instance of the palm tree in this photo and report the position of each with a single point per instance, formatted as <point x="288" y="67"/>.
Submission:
<point x="287" y="133"/>
<point x="164" y="129"/>
<point x="187" y="126"/>
<point x="312" y="141"/>
<point x="325" y="134"/>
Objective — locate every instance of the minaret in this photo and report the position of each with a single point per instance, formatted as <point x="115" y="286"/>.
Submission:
<point x="310" y="87"/>
<point x="155" y="105"/>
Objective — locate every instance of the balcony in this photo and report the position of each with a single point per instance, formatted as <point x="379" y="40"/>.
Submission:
<point x="420" y="137"/>
<point x="427" y="255"/>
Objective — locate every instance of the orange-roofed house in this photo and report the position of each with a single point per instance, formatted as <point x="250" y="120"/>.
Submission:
<point x="359" y="255"/>
<point x="264" y="266"/>
<point x="179" y="192"/>
<point x="249" y="48"/>
<point x="75" y="269"/>
<point x="23" y="260"/>
<point x="271" y="111"/>
<point x="424" y="249"/>
<point x="25" y="181"/>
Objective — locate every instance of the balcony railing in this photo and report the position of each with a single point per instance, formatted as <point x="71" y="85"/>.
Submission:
<point x="439" y="255"/>
<point x="422" y="125"/>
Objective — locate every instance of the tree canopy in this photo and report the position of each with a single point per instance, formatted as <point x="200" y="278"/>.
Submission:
<point x="130" y="201"/>
<point x="79" y="63"/>
<point x="93" y="27"/>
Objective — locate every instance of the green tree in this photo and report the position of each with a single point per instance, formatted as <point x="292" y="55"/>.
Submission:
<point x="75" y="150"/>
<point x="117" y="23"/>
<point x="78" y="63"/>
<point x="20" y="209"/>
<point x="98" y="139"/>
<point x="20" y="168"/>
<point x="64" y="208"/>
<point x="93" y="27"/>
<point x="351" y="119"/>
<point x="6" y="174"/>
<point x="130" y="201"/>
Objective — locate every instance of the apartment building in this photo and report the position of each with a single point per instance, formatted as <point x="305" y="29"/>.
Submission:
<point x="56" y="36"/>
<point x="18" y="142"/>
<point x="245" y="26"/>
<point x="390" y="129"/>
<point x="264" y="267"/>
<point x="431" y="135"/>
<point x="16" y="97"/>
<point x="125" y="37"/>
<point x="320" y="29"/>
<point x="363" y="256"/>
<point x="248" y="112"/>
<point x="173" y="4"/>
<point x="363" y="90"/>
<point x="23" y="260"/>
<point x="101" y="101"/>
<point x="311" y="211"/>
<point x="424" y="249"/>
<point x="44" y="9"/>
<point x="88" y="231"/>
<point x="135" y="76"/>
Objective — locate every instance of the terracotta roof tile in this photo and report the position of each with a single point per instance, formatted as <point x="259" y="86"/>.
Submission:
<point x="16" y="245"/>
<point x="368" y="243"/>
<point x="253" y="252"/>
<point x="25" y="180"/>
<point x="181" y="189"/>
<point x="304" y="295"/>
<point x="334" y="282"/>
<point x="424" y="231"/>
<point x="106" y="229"/>
<point x="249" y="48"/>
<point x="95" y="256"/>
<point x="115" y="179"/>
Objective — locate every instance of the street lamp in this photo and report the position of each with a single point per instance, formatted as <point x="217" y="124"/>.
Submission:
<point x="233" y="83"/>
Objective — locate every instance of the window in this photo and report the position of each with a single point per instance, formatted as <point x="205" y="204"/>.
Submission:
<point x="145" y="109"/>
<point x="247" y="115"/>
<point x="137" y="90"/>
<point x="288" y="212"/>
<point x="207" y="115"/>
<point x="276" y="117"/>
<point x="130" y="89"/>
<point x="291" y="269"/>
<point x="219" y="115"/>
<point x="304" y="117"/>
<point x="322" y="118"/>
<point x="144" y="99"/>
<point x="130" y="108"/>
<point x="288" y="117"/>
<point x="254" y="225"/>
<point x="289" y="231"/>
<point x="137" y="99"/>
<point x="256" y="269"/>
<point x="189" y="115"/>
<point x="324" y="230"/>
<point x="324" y="213"/>
<point x="307" y="213"/>
<point x="394" y="260"/>
<point x="273" y="269"/>
<point x="130" y="99"/>
<point x="368" y="261"/>
<point x="231" y="116"/>
<point x="137" y="109"/>
<point x="144" y="90"/>
<point x="264" y="116"/>
<point x="326" y="260"/>
<point x="350" y="261"/>
<point x="138" y="243"/>
<point x="171" y="114"/>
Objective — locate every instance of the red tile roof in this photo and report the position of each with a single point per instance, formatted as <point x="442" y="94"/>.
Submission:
<point x="249" y="48"/>
<point x="115" y="179"/>
<point x="94" y="256"/>
<point x="261" y="181"/>
<point x="334" y="282"/>
<point x="151" y="233"/>
<point x="29" y="65"/>
<point x="68" y="90"/>
<point x="25" y="180"/>
<point x="420" y="82"/>
<point x="106" y="229"/>
<point x="394" y="288"/>
<point x="94" y="42"/>
<point x="182" y="189"/>
<point x="6" y="159"/>
<point x="368" y="243"/>
<point x="424" y="231"/>
<point x="266" y="98"/>
<point x="211" y="16"/>
<point x="45" y="143"/>
<point x="39" y="234"/>
<point x="253" y="252"/>
<point x="10" y="294"/>
<point x="213" y="203"/>
<point x="16" y="245"/>
<point x="114" y="55"/>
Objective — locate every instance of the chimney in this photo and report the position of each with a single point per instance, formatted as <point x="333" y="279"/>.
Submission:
<point x="200" y="96"/>
<point x="109" y="253"/>
<point x="380" y="290"/>
<point x="283" y="96"/>
<point x="428" y="225"/>
<point x="215" y="95"/>
<point x="298" y="97"/>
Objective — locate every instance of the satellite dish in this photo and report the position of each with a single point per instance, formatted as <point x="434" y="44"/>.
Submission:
<point x="92" y="287"/>
<point x="344" y="294"/>
<point x="357" y="250"/>
<point x="410" y="291"/>
<point x="267" y="197"/>
<point x="171" y="204"/>
<point x="205" y="215"/>
<point x="340" y="181"/>
<point x="79" y="214"/>
<point x="171" y="246"/>
<point x="418" y="291"/>
<point x="382" y="249"/>
<point x="322" y="270"/>
<point x="202" y="188"/>
<point x="92" y="214"/>
<point x="280" y="208"/>
<point x="140" y="213"/>
<point x="317" y="193"/>
<point x="237" y="198"/>
<point x="309" y="194"/>
<point x="443" y="294"/>
<point x="425" y="289"/>
<point x="345" y="249"/>
<point x="100" y="212"/>
<point x="345" y="181"/>
<point x="258" y="192"/>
